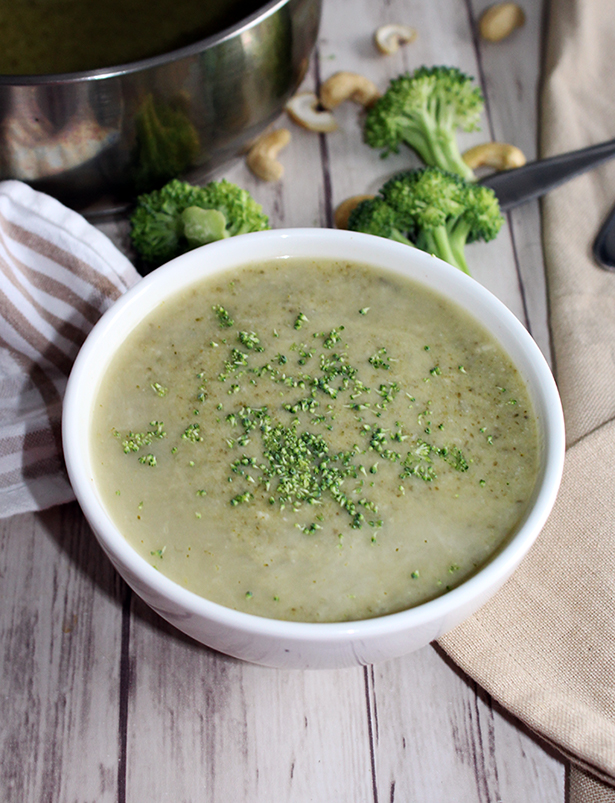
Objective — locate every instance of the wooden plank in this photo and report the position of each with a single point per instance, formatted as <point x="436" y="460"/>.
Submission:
<point x="60" y="624"/>
<point x="510" y="75"/>
<point x="202" y="726"/>
<point x="438" y="737"/>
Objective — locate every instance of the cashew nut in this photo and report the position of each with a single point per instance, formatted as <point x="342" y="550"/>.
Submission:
<point x="304" y="109"/>
<point x="389" y="38"/>
<point x="343" y="86"/>
<point x="500" y="20"/>
<point x="342" y="213"/>
<point x="262" y="156"/>
<point x="499" y="155"/>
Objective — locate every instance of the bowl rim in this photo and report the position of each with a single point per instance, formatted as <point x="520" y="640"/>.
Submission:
<point x="264" y="11"/>
<point x="266" y="245"/>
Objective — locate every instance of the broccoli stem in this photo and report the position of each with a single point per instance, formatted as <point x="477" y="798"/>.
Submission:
<point x="436" y="144"/>
<point x="443" y="246"/>
<point x="399" y="237"/>
<point x="419" y="138"/>
<point x="444" y="135"/>
<point x="460" y="262"/>
<point x="451" y="156"/>
<point x="437" y="241"/>
<point x="458" y="234"/>
<point x="203" y="226"/>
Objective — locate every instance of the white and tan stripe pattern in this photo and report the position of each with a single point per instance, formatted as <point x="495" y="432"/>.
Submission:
<point x="58" y="274"/>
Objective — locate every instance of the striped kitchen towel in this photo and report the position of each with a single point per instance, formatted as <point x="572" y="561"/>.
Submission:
<point x="58" y="274"/>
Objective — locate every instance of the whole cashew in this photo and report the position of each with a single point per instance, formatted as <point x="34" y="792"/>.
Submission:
<point x="499" y="155"/>
<point x="342" y="213"/>
<point x="500" y="20"/>
<point x="304" y="109"/>
<point x="262" y="156"/>
<point x="389" y="38"/>
<point x="342" y="86"/>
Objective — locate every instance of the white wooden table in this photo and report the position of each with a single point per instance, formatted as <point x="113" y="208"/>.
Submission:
<point x="103" y="701"/>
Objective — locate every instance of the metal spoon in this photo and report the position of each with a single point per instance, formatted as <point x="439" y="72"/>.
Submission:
<point x="515" y="187"/>
<point x="604" y="244"/>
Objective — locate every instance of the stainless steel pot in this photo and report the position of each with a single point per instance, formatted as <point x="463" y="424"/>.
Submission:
<point x="101" y="137"/>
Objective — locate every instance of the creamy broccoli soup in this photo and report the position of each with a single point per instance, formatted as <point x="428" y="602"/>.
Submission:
<point x="56" y="36"/>
<point x="314" y="441"/>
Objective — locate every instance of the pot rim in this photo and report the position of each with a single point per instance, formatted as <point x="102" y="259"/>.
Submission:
<point x="266" y="10"/>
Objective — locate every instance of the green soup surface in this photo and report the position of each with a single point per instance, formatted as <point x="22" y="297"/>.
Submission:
<point x="41" y="37"/>
<point x="314" y="441"/>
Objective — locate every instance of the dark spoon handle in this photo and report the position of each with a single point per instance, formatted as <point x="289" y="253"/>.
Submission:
<point x="604" y="244"/>
<point x="514" y="187"/>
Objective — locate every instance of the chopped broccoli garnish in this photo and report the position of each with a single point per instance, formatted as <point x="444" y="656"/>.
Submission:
<point x="180" y="216"/>
<point x="424" y="109"/>
<point x="436" y="211"/>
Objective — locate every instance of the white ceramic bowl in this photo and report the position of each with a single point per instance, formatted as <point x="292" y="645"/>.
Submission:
<point x="292" y="644"/>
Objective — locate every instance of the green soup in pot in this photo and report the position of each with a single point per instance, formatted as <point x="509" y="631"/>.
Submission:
<point x="60" y="36"/>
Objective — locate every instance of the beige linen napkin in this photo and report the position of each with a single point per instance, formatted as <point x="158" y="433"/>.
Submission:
<point x="58" y="274"/>
<point x="544" y="647"/>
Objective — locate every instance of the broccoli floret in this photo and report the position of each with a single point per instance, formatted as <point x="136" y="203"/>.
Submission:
<point x="375" y="216"/>
<point x="481" y="220"/>
<point x="180" y="216"/>
<point x="443" y="211"/>
<point x="424" y="109"/>
<point x="437" y="211"/>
